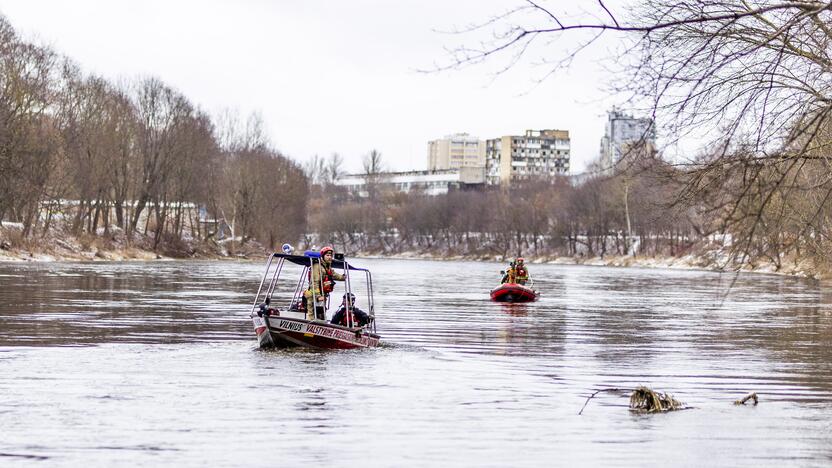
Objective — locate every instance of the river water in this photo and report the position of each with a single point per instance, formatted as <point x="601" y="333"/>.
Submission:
<point x="151" y="364"/>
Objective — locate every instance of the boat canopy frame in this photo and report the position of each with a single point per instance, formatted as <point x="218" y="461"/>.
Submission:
<point x="274" y="267"/>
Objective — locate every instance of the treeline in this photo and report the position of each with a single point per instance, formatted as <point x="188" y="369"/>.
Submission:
<point x="741" y="211"/>
<point x="622" y="214"/>
<point x="731" y="210"/>
<point x="81" y="153"/>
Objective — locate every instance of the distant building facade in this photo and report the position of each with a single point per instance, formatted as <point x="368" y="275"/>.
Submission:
<point x="538" y="153"/>
<point x="622" y="131"/>
<point x="456" y="151"/>
<point x="427" y="182"/>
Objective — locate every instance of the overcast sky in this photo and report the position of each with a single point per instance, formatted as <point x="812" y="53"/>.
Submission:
<point x="326" y="76"/>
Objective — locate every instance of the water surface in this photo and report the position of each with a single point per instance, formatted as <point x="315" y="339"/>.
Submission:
<point x="149" y="364"/>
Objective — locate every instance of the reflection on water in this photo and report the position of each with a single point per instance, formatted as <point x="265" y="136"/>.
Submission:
<point x="154" y="364"/>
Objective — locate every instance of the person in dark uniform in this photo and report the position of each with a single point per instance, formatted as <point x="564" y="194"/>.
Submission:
<point x="359" y="317"/>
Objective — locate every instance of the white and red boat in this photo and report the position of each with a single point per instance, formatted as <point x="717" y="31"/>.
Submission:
<point x="513" y="292"/>
<point x="287" y="326"/>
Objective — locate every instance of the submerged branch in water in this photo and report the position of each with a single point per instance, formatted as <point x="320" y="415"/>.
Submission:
<point x="644" y="399"/>
<point x="619" y="390"/>
<point x="750" y="396"/>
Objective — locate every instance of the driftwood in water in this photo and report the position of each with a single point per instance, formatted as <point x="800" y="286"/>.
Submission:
<point x="599" y="391"/>
<point x="643" y="399"/>
<point x="646" y="400"/>
<point x="750" y="396"/>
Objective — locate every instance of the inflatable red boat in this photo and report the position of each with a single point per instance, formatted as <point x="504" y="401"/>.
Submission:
<point x="512" y="292"/>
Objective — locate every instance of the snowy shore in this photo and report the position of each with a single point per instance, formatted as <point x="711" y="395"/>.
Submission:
<point x="710" y="261"/>
<point x="116" y="248"/>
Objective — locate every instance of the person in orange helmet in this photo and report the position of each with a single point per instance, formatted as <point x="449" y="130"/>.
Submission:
<point x="521" y="274"/>
<point x="322" y="280"/>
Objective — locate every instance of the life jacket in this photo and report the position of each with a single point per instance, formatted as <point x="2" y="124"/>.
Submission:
<point x="348" y="317"/>
<point x="355" y="316"/>
<point x="520" y="271"/>
<point x="328" y="284"/>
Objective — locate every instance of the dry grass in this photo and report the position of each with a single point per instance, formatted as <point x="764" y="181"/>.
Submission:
<point x="14" y="240"/>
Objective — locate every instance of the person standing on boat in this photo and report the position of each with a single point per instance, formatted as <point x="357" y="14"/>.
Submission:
<point x="521" y="274"/>
<point x="322" y="280"/>
<point x="359" y="317"/>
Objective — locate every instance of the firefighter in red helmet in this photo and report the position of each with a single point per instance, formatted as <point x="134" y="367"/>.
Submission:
<point x="322" y="280"/>
<point x="521" y="274"/>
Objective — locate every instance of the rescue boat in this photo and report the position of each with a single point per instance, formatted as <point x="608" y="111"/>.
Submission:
<point x="513" y="292"/>
<point x="279" y="312"/>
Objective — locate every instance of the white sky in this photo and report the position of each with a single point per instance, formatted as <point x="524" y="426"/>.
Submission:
<point x="326" y="76"/>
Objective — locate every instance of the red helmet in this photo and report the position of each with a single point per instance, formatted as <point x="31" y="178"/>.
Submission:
<point x="326" y="250"/>
<point x="521" y="259"/>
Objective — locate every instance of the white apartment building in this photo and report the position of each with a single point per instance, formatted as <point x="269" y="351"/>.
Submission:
<point x="455" y="151"/>
<point x="428" y="182"/>
<point x="538" y="153"/>
<point x="622" y="129"/>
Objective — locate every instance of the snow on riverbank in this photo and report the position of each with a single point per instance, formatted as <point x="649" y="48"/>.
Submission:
<point x="116" y="248"/>
<point x="711" y="261"/>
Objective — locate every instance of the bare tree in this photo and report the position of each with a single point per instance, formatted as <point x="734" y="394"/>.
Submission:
<point x="753" y="76"/>
<point x="372" y="163"/>
<point x="91" y="116"/>
<point x="333" y="170"/>
<point x="315" y="170"/>
<point x="28" y="140"/>
<point x="160" y="110"/>
<point x="263" y="194"/>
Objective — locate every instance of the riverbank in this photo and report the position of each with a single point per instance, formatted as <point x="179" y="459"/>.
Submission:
<point x="710" y="260"/>
<point x="114" y="246"/>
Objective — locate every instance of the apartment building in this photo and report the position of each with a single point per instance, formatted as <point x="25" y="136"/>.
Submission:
<point x="538" y="153"/>
<point x="623" y="131"/>
<point x="456" y="151"/>
<point x="426" y="182"/>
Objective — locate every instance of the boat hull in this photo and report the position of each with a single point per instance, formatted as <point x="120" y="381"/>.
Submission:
<point x="511" y="292"/>
<point x="285" y="332"/>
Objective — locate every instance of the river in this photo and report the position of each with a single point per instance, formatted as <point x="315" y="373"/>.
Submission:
<point x="155" y="364"/>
